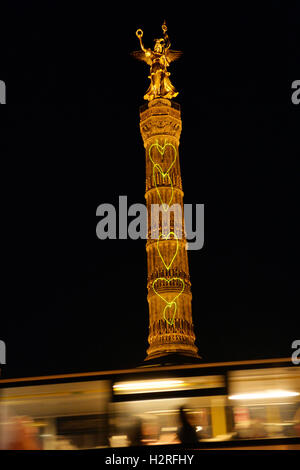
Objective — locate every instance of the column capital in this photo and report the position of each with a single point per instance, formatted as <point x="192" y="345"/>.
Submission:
<point x="161" y="117"/>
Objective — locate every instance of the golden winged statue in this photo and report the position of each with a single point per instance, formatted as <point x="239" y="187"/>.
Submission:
<point x="159" y="60"/>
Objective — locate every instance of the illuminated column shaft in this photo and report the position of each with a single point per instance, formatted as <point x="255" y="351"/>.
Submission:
<point x="169" y="288"/>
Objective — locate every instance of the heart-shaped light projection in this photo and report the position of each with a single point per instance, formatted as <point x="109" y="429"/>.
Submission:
<point x="167" y="307"/>
<point x="170" y="304"/>
<point x="159" y="241"/>
<point x="166" y="176"/>
<point x="168" y="282"/>
<point x="161" y="149"/>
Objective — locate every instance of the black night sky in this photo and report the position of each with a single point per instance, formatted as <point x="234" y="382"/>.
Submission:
<point x="73" y="303"/>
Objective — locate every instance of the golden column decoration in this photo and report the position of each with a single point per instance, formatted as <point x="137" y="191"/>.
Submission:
<point x="169" y="288"/>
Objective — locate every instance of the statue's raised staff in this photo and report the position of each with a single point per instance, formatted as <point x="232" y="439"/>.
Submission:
<point x="159" y="60"/>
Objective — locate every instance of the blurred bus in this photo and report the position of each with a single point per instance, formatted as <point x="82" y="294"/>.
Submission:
<point x="233" y="404"/>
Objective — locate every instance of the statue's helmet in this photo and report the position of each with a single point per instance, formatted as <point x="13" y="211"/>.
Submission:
<point x="159" y="45"/>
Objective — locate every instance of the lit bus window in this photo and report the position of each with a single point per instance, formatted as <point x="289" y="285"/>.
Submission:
<point x="265" y="402"/>
<point x="168" y="385"/>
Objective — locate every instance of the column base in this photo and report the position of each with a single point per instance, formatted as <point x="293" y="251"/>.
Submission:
<point x="171" y="359"/>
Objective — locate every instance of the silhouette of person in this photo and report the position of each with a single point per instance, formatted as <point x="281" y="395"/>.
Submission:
<point x="136" y="434"/>
<point x="186" y="432"/>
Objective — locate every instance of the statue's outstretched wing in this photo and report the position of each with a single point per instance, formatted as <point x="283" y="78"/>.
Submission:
<point x="140" y="55"/>
<point x="173" y="55"/>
